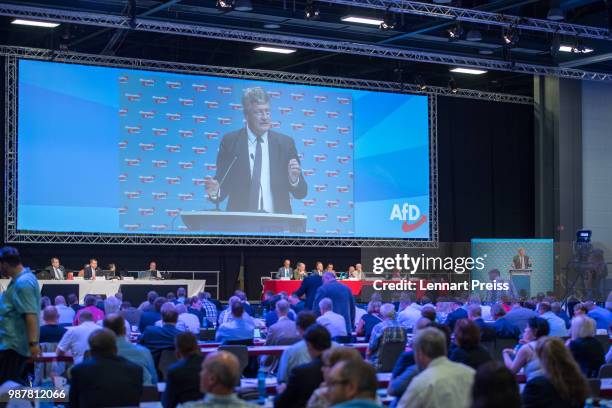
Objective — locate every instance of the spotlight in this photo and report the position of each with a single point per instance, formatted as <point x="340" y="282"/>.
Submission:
<point x="452" y="85"/>
<point x="510" y="36"/>
<point x="555" y="14"/>
<point x="455" y="32"/>
<point x="225" y="5"/>
<point x="311" y="12"/>
<point x="388" y="21"/>
<point x="420" y="83"/>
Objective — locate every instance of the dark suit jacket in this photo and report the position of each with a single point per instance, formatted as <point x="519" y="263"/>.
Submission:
<point x="148" y="319"/>
<point x="157" y="339"/>
<point x="87" y="272"/>
<point x="487" y="331"/>
<point x="183" y="383"/>
<point x="506" y="330"/>
<point x="309" y="288"/>
<point x="342" y="299"/>
<point x="540" y="393"/>
<point x="51" y="275"/>
<point x="237" y="183"/>
<point x="51" y="333"/>
<point x="303" y="380"/>
<point x="452" y="317"/>
<point x="516" y="261"/>
<point x="105" y="382"/>
<point x="474" y="357"/>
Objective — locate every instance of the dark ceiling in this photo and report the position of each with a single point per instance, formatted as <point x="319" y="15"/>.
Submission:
<point x="412" y="32"/>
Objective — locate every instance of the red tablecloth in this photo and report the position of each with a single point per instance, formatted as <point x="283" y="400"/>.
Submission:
<point x="290" y="286"/>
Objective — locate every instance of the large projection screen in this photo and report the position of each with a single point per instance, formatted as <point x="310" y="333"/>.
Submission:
<point x="113" y="152"/>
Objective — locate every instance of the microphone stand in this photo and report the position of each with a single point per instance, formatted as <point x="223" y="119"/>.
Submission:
<point x="217" y="200"/>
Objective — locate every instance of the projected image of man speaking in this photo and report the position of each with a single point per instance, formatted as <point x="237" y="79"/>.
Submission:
<point x="257" y="169"/>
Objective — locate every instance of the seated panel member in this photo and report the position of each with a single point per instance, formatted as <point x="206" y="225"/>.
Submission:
<point x="285" y="271"/>
<point x="92" y="271"/>
<point x="55" y="270"/>
<point x="300" y="271"/>
<point x="259" y="168"/>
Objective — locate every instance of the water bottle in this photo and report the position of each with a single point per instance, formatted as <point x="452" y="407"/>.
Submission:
<point x="261" y="385"/>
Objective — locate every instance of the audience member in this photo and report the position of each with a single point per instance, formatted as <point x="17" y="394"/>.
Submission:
<point x="112" y="305"/>
<point x="385" y="332"/>
<point x="226" y="315"/>
<point x="207" y="308"/>
<point x="495" y="387"/>
<point x="130" y="314"/>
<point x="369" y="320"/>
<point x="73" y="303"/>
<point x="19" y="316"/>
<point x="272" y="315"/>
<point x="75" y="340"/>
<point x="245" y="303"/>
<point x="555" y="323"/>
<point x="284" y="331"/>
<point x="487" y="331"/>
<point x="469" y="351"/>
<point x="296" y="354"/>
<point x="51" y="331"/>
<point x="135" y="353"/>
<point x="562" y="384"/>
<point x="297" y="304"/>
<point x="66" y="314"/>
<point x="352" y="384"/>
<point x="333" y="322"/>
<point x="239" y="328"/>
<point x="187" y="320"/>
<point x="556" y="309"/>
<point x="429" y="312"/>
<point x="580" y="309"/>
<point x="602" y="316"/>
<point x="148" y="305"/>
<point x="526" y="356"/>
<point x="342" y="299"/>
<point x="304" y="379"/>
<point x="518" y="315"/>
<point x="219" y="377"/>
<point x="181" y="295"/>
<point x="585" y="348"/>
<point x="150" y="316"/>
<point x="410" y="314"/>
<point x="182" y="380"/>
<point x="90" y="305"/>
<point x="457" y="313"/>
<point x="308" y="288"/>
<point x="330" y="357"/>
<point x="158" y="339"/>
<point x="503" y="328"/>
<point x="105" y="379"/>
<point x="441" y="382"/>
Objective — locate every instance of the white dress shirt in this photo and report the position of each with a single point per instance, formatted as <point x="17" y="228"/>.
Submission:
<point x="191" y="322"/>
<point x="408" y="317"/>
<point x="442" y="384"/>
<point x="66" y="314"/>
<point x="266" y="186"/>
<point x="76" y="340"/>
<point x="333" y="322"/>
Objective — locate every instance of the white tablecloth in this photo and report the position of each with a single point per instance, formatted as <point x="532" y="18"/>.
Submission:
<point x="110" y="287"/>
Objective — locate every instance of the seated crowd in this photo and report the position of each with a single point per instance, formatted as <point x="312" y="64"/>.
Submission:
<point x="459" y="354"/>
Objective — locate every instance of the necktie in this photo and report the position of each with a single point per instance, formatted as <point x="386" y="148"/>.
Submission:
<point x="256" y="178"/>
<point x="57" y="274"/>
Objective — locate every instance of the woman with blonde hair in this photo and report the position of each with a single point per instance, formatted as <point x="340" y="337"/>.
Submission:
<point x="585" y="348"/>
<point x="369" y="320"/>
<point x="562" y="385"/>
<point x="330" y="358"/>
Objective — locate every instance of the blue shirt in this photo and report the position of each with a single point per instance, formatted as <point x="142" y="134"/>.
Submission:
<point x="601" y="316"/>
<point x="237" y="329"/>
<point x="556" y="324"/>
<point x="138" y="355"/>
<point x="22" y="296"/>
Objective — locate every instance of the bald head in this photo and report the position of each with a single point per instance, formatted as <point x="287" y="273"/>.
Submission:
<point x="220" y="373"/>
<point x="50" y="315"/>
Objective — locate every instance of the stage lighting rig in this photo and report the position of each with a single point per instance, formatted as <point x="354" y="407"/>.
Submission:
<point x="510" y="36"/>
<point x="388" y="22"/>
<point x="455" y="32"/>
<point x="225" y="5"/>
<point x="452" y="85"/>
<point x="311" y="11"/>
<point x="420" y="83"/>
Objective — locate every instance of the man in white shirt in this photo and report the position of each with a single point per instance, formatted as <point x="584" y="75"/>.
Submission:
<point x="556" y="324"/>
<point x="66" y="313"/>
<point x="189" y="320"/>
<point x="75" y="340"/>
<point x="285" y="271"/>
<point x="333" y="322"/>
<point x="441" y="382"/>
<point x="408" y="317"/>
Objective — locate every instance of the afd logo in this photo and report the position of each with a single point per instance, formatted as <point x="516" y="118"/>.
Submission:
<point x="410" y="214"/>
